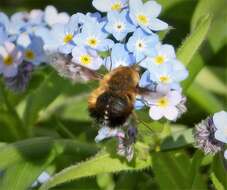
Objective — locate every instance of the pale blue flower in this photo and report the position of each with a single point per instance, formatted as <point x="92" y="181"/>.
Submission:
<point x="51" y="44"/>
<point x="4" y="21"/>
<point x="145" y="15"/>
<point x="64" y="35"/>
<point x="119" y="57"/>
<point x="142" y="44"/>
<point x="119" y="24"/>
<point x="10" y="58"/>
<point x="86" y="57"/>
<point x="52" y="17"/>
<point x="165" y="106"/>
<point x="3" y="35"/>
<point x="32" y="47"/>
<point x="162" y="54"/>
<point x="220" y="122"/>
<point x="89" y="18"/>
<point x="94" y="37"/>
<point x="167" y="74"/>
<point x="110" y="5"/>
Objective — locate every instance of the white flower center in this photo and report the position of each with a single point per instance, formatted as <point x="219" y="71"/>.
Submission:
<point x="119" y="26"/>
<point x="140" y="45"/>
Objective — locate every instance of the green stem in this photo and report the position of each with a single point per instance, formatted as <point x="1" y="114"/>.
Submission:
<point x="19" y="128"/>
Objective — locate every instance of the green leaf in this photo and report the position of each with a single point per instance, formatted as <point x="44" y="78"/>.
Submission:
<point x="194" y="67"/>
<point x="205" y="7"/>
<point x="192" y="43"/>
<point x="104" y="162"/>
<point x="215" y="84"/>
<point x="178" y="140"/>
<point x="195" y="178"/>
<point x="169" y="172"/>
<point x="34" y="148"/>
<point x="51" y="87"/>
<point x="219" y="175"/>
<point x="22" y="175"/>
<point x="204" y="98"/>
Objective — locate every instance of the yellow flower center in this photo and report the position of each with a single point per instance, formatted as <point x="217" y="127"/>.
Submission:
<point x="163" y="102"/>
<point x="68" y="38"/>
<point x="8" y="60"/>
<point x="92" y="42"/>
<point x="116" y="7"/>
<point x="159" y="59"/>
<point x="85" y="59"/>
<point x="29" y="55"/>
<point x="164" y="79"/>
<point x="142" y="19"/>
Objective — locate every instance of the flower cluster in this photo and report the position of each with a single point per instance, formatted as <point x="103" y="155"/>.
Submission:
<point x="211" y="134"/>
<point x="126" y="36"/>
<point x="22" y="45"/>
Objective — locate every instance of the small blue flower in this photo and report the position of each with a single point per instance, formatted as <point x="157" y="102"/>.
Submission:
<point x="86" y="57"/>
<point x="220" y="122"/>
<point x="4" y="21"/>
<point x="3" y="35"/>
<point x="110" y="5"/>
<point x="119" y="24"/>
<point x="141" y="44"/>
<point x="94" y="37"/>
<point x="119" y="57"/>
<point x="145" y="15"/>
<point x="10" y="59"/>
<point x="52" y="17"/>
<point x="64" y="35"/>
<point x="172" y="72"/>
<point x="32" y="47"/>
<point x="163" y="75"/>
<point x="163" y="54"/>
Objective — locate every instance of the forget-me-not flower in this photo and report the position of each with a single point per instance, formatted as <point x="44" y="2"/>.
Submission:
<point x="86" y="57"/>
<point x="110" y="5"/>
<point x="32" y="47"/>
<point x="119" y="24"/>
<point x="4" y="21"/>
<point x="145" y="15"/>
<point x="165" y="106"/>
<point x="10" y="58"/>
<point x="119" y="57"/>
<point x="167" y="74"/>
<point x="220" y="122"/>
<point x="94" y="37"/>
<point x="142" y="44"/>
<point x="3" y="35"/>
<point x="162" y="54"/>
<point x="64" y="35"/>
<point x="51" y="16"/>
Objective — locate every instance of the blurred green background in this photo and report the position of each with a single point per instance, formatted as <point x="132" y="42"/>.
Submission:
<point x="64" y="111"/>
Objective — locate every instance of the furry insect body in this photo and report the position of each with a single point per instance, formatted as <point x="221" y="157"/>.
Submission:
<point x="113" y="101"/>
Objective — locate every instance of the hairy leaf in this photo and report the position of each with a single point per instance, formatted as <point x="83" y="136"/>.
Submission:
<point x="104" y="162"/>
